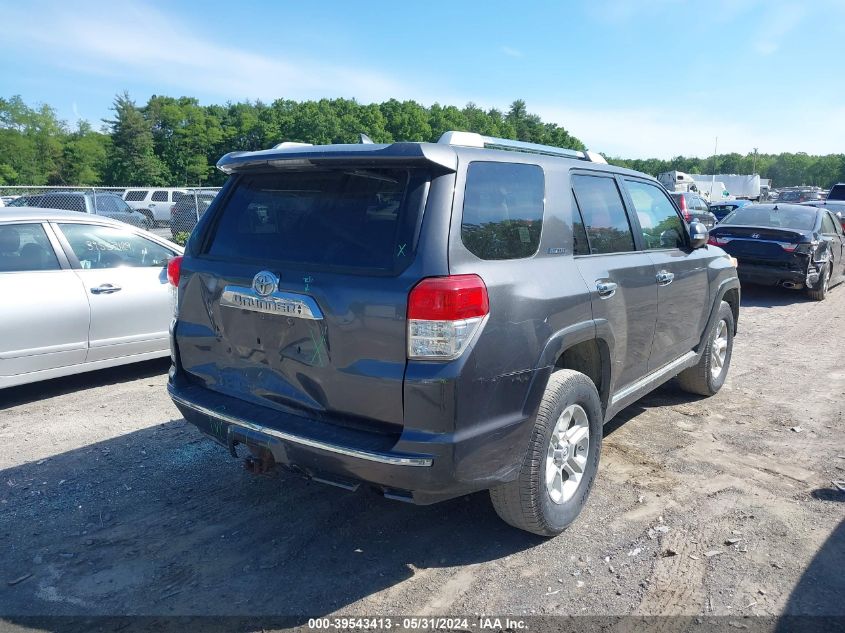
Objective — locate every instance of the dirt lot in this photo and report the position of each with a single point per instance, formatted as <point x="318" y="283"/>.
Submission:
<point x="111" y="504"/>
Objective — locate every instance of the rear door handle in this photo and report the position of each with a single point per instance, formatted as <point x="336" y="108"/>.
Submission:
<point x="606" y="289"/>
<point x="664" y="278"/>
<point x="105" y="289"/>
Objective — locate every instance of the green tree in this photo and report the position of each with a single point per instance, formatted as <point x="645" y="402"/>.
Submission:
<point x="131" y="156"/>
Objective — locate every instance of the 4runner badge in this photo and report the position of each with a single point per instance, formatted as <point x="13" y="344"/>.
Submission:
<point x="265" y="283"/>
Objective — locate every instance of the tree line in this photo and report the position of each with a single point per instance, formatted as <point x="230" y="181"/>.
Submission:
<point x="177" y="141"/>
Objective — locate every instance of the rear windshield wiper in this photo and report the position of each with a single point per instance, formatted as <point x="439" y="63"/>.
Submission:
<point x="372" y="175"/>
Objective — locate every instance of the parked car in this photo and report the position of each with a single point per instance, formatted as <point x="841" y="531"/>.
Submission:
<point x="796" y="196"/>
<point x="82" y="292"/>
<point x="724" y="207"/>
<point x="323" y="324"/>
<point x="188" y="208"/>
<point x="694" y="207"/>
<point x="153" y="202"/>
<point x="794" y="246"/>
<point x="834" y="202"/>
<point x="107" y="205"/>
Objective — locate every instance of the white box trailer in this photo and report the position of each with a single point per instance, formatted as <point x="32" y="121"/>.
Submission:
<point x="713" y="190"/>
<point x="677" y="181"/>
<point x="737" y="185"/>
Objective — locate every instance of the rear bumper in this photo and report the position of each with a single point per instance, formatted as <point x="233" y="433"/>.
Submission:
<point x="774" y="275"/>
<point x="417" y="466"/>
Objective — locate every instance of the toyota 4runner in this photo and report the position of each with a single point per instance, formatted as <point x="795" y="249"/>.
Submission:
<point x="435" y="319"/>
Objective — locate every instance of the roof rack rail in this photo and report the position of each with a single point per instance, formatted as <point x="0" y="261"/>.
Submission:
<point x="473" y="139"/>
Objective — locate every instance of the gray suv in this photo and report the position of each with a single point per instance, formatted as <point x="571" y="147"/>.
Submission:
<point x="435" y="319"/>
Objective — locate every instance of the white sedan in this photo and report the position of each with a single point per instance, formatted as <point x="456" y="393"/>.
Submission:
<point x="80" y="292"/>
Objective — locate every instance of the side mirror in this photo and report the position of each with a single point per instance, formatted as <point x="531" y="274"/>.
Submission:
<point x="698" y="234"/>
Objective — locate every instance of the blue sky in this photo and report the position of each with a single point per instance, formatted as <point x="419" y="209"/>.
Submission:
<point x="630" y="78"/>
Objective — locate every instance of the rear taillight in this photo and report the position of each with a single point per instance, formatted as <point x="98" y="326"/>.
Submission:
<point x="682" y="203"/>
<point x="174" y="269"/>
<point x="444" y="313"/>
<point x="715" y="240"/>
<point x="805" y="248"/>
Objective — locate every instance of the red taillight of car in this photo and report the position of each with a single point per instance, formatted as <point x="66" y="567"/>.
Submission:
<point x="789" y="248"/>
<point x="682" y="203"/>
<point x="174" y="270"/>
<point x="715" y="240"/>
<point x="444" y="314"/>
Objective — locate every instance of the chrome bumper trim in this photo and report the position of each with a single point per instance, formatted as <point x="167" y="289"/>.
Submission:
<point x="382" y="458"/>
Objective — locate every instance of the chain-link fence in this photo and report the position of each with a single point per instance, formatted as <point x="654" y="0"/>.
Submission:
<point x="171" y="212"/>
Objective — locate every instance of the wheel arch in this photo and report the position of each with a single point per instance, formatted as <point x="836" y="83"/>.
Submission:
<point x="586" y="347"/>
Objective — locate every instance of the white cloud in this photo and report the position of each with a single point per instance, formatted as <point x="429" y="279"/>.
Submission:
<point x="647" y="133"/>
<point x="778" y="21"/>
<point x="138" y="41"/>
<point x="511" y="52"/>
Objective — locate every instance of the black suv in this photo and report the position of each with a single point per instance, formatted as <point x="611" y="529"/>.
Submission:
<point x="434" y="319"/>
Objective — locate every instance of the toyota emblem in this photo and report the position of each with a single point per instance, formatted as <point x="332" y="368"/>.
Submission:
<point x="265" y="283"/>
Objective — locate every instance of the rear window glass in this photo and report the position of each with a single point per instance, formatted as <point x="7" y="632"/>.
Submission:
<point x="837" y="192"/>
<point x="793" y="217"/>
<point x="602" y="213"/>
<point x="135" y="196"/>
<point x="66" y="202"/>
<point x="350" y="218"/>
<point x="503" y="210"/>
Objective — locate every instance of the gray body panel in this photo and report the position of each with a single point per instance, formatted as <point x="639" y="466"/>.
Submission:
<point x="471" y="416"/>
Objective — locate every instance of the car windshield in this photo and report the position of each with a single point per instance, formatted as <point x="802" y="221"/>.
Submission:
<point x="110" y="204"/>
<point x="793" y="217"/>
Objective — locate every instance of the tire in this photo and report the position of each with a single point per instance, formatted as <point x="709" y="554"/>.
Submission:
<point x="820" y="292"/>
<point x="527" y="502"/>
<point x="702" y="379"/>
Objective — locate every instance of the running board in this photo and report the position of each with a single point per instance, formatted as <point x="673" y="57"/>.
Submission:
<point x="655" y="378"/>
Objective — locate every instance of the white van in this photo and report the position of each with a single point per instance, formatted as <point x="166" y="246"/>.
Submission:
<point x="154" y="202"/>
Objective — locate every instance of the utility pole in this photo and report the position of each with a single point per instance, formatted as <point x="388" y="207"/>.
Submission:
<point x="713" y="179"/>
<point x="754" y="170"/>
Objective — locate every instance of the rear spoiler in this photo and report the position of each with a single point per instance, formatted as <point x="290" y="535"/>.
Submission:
<point x="292" y="156"/>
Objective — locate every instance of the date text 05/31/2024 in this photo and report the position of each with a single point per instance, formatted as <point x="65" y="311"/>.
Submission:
<point x="419" y="623"/>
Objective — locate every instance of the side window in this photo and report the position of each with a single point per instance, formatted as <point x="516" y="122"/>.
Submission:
<point x="135" y="196"/>
<point x="503" y="210"/>
<point x="602" y="214"/>
<point x="25" y="247"/>
<point x="660" y="223"/>
<point x="828" y="225"/>
<point x="159" y="196"/>
<point x="108" y="247"/>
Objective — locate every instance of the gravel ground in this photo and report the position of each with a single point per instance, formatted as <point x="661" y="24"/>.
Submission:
<point x="111" y="504"/>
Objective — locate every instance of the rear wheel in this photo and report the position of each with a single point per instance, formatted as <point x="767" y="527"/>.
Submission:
<point x="708" y="376"/>
<point x="820" y="291"/>
<point x="562" y="459"/>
